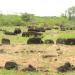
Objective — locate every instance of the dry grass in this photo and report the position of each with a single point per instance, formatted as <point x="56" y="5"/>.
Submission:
<point x="32" y="54"/>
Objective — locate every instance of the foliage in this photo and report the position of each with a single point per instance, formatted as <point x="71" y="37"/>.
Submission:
<point x="70" y="13"/>
<point x="26" y="19"/>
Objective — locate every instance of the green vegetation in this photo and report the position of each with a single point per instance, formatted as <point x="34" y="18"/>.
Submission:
<point x="67" y="73"/>
<point x="13" y="72"/>
<point x="26" y="19"/>
<point x="50" y="34"/>
<point x="10" y="22"/>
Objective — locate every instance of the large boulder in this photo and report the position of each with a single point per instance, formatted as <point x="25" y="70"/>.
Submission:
<point x="17" y="31"/>
<point x="34" y="41"/>
<point x="5" y="41"/>
<point x="11" y="65"/>
<point x="70" y="41"/>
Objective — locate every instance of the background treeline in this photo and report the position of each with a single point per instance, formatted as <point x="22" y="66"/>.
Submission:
<point x="25" y="19"/>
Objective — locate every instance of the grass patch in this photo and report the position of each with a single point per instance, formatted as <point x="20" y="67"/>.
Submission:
<point x="13" y="72"/>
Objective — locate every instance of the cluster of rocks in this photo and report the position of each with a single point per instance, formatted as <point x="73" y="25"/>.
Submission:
<point x="16" y="31"/>
<point x="9" y="65"/>
<point x="70" y="41"/>
<point x="66" y="67"/>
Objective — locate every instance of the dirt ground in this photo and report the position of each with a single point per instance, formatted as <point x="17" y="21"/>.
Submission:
<point x="43" y="57"/>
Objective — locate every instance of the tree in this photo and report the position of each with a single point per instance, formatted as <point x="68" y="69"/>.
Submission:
<point x="27" y="17"/>
<point x="71" y="13"/>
